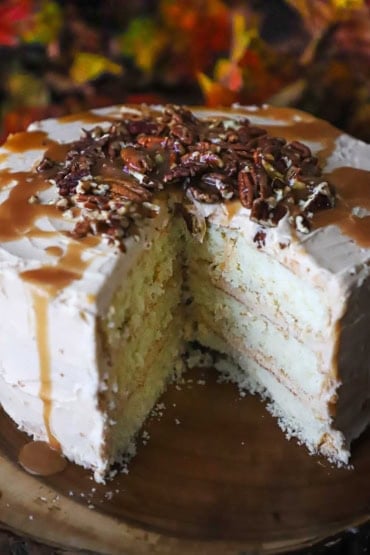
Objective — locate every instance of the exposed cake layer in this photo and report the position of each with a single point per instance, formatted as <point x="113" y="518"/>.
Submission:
<point x="295" y="416"/>
<point x="246" y="303"/>
<point x="142" y="334"/>
<point x="66" y="377"/>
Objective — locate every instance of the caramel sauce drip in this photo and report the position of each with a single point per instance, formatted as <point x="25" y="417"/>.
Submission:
<point x="46" y="282"/>
<point x="40" y="303"/>
<point x="232" y="208"/>
<point x="89" y="117"/>
<point x="18" y="218"/>
<point x="18" y="215"/>
<point x="70" y="267"/>
<point x="54" y="251"/>
<point x="27" y="140"/>
<point x="353" y="190"/>
<point x="37" y="457"/>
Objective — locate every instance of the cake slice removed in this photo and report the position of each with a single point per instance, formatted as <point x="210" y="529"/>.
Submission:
<point x="284" y="326"/>
<point x="128" y="232"/>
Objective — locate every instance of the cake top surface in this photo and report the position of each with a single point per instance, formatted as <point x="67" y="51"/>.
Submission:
<point x="77" y="191"/>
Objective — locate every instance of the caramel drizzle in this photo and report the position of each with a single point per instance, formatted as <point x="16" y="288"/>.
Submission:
<point x="353" y="190"/>
<point x="18" y="218"/>
<point x="54" y="251"/>
<point x="40" y="303"/>
<point x="47" y="282"/>
<point x="27" y="140"/>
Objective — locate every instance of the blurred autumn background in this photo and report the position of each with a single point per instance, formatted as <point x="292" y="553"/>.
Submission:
<point x="59" y="57"/>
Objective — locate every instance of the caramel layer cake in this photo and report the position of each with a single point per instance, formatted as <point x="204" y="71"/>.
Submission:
<point x="128" y="233"/>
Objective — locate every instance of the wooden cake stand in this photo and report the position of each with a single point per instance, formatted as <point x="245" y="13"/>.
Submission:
<point x="213" y="475"/>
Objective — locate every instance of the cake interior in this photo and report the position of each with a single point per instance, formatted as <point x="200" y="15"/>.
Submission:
<point x="236" y="301"/>
<point x="142" y="337"/>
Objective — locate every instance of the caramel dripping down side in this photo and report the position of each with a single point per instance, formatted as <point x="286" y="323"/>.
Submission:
<point x="46" y="283"/>
<point x="353" y="190"/>
<point x="40" y="303"/>
<point x="18" y="218"/>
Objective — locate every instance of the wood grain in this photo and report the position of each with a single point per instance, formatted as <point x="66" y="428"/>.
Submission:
<point x="215" y="476"/>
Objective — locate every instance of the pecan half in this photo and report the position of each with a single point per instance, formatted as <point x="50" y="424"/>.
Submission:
<point x="246" y="188"/>
<point x="129" y="190"/>
<point x="137" y="160"/>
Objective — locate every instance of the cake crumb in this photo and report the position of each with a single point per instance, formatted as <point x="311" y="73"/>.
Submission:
<point x="158" y="410"/>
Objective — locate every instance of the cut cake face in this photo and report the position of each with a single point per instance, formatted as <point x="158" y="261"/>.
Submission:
<point x="129" y="233"/>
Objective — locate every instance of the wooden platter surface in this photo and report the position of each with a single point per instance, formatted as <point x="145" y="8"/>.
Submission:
<point x="213" y="474"/>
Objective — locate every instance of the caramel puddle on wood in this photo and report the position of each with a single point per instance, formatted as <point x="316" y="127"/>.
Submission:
<point x="37" y="457"/>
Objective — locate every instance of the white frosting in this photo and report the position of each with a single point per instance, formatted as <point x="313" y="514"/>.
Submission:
<point x="325" y="257"/>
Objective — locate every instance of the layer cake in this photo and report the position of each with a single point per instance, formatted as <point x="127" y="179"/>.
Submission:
<point x="129" y="233"/>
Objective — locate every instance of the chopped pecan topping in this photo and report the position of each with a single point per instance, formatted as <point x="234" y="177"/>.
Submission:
<point x="111" y="176"/>
<point x="136" y="159"/>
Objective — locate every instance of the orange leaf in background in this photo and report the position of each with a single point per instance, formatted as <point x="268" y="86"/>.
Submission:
<point x="144" y="40"/>
<point x="242" y="36"/>
<point x="215" y="93"/>
<point x="88" y="66"/>
<point x="352" y="37"/>
<point x="230" y="74"/>
<point x="20" y="119"/>
<point x="45" y="23"/>
<point x="13" y="14"/>
<point x="198" y="30"/>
